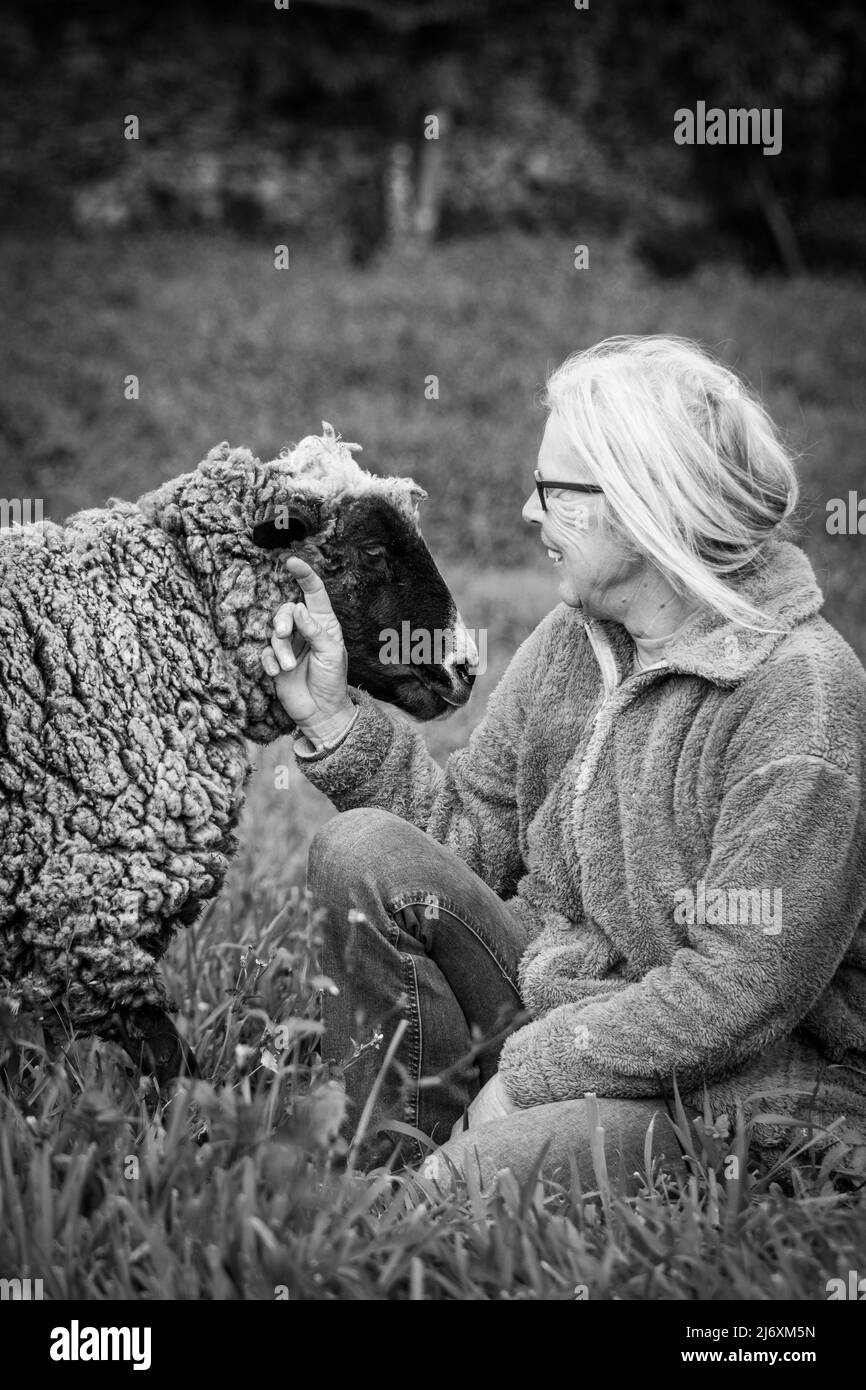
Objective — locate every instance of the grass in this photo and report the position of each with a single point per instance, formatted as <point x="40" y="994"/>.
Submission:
<point x="104" y="1190"/>
<point x="107" y="1192"/>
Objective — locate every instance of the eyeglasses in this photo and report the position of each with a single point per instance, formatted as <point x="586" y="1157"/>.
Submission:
<point x="543" y="483"/>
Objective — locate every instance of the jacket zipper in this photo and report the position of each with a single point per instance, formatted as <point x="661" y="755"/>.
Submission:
<point x="607" y="662"/>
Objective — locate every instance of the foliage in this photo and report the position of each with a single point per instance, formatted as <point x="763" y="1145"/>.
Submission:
<point x="558" y="118"/>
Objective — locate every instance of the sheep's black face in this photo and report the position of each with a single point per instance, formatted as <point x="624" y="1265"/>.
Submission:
<point x="406" y="641"/>
<point x="237" y="519"/>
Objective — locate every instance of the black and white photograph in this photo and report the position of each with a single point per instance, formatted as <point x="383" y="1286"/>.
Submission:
<point x="432" y="690"/>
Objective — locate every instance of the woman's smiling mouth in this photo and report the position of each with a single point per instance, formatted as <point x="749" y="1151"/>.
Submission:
<point x="555" y="555"/>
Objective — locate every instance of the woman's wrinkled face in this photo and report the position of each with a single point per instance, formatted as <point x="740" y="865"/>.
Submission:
<point x="591" y="565"/>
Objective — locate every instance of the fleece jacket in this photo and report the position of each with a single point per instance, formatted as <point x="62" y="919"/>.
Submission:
<point x="685" y="845"/>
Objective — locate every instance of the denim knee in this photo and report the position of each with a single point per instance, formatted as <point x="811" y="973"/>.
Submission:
<point x="346" y="845"/>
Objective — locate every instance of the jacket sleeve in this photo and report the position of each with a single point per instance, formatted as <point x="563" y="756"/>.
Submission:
<point x="790" y="827"/>
<point x="470" y="804"/>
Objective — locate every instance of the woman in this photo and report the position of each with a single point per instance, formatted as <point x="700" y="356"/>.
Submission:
<point x="653" y="845"/>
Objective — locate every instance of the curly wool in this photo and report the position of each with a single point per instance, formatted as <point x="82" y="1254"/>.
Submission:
<point x="130" y="679"/>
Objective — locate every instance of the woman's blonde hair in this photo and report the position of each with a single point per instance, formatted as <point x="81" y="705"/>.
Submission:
<point x="694" y="473"/>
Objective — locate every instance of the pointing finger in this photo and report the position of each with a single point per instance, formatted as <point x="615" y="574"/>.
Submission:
<point x="315" y="593"/>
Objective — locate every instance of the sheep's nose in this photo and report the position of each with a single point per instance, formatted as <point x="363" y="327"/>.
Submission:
<point x="466" y="648"/>
<point x="466" y="673"/>
<point x="463" y="662"/>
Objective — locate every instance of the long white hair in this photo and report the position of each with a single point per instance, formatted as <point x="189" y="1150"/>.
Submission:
<point x="694" y="473"/>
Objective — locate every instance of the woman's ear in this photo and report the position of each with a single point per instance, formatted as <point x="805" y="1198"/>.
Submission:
<point x="288" y="525"/>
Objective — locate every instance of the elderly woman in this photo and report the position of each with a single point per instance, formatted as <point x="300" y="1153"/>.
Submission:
<point x="653" y="847"/>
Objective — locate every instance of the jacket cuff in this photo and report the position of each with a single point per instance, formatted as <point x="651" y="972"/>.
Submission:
<point x="305" y="747"/>
<point x="357" y="758"/>
<point x="538" y="1068"/>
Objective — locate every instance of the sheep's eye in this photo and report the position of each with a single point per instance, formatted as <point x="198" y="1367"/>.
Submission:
<point x="376" y="552"/>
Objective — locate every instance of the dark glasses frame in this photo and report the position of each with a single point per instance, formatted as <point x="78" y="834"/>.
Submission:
<point x="542" y="483"/>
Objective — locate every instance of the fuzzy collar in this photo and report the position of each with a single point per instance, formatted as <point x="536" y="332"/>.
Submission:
<point x="783" y="586"/>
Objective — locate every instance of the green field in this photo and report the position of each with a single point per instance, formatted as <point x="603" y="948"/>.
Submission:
<point x="224" y="346"/>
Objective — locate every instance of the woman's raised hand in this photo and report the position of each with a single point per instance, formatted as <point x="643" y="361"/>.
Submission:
<point x="307" y="658"/>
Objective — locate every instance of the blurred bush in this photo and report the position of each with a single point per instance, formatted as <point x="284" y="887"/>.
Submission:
<point x="255" y="118"/>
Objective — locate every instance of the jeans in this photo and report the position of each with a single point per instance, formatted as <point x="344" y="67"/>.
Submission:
<point x="436" y="947"/>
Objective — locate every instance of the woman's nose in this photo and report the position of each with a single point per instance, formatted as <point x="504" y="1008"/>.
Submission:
<point x="532" y="510"/>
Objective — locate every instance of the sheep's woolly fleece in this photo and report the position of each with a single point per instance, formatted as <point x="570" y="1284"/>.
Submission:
<point x="130" y="678"/>
<point x="324" y="467"/>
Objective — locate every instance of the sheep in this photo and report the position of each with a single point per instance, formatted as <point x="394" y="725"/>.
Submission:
<point x="130" y="680"/>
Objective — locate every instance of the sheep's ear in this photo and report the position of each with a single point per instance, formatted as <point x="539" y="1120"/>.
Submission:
<point x="287" y="525"/>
